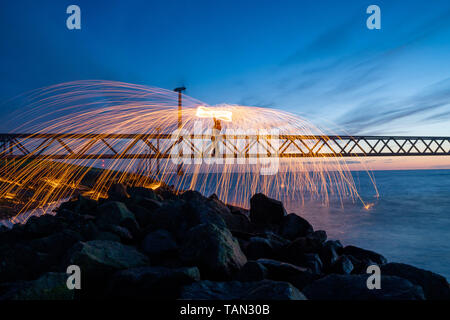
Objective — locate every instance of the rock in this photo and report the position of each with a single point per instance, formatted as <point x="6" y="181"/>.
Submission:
<point x="159" y="243"/>
<point x="293" y="226"/>
<point x="56" y="244"/>
<point x="105" y="235"/>
<point x="141" y="193"/>
<point x="238" y="210"/>
<point x="235" y="290"/>
<point x="313" y="263"/>
<point x="360" y="266"/>
<point x="116" y="213"/>
<point x="235" y="219"/>
<point x="168" y="217"/>
<point x="319" y="235"/>
<point x="252" y="271"/>
<point x="166" y="193"/>
<point x="179" y="216"/>
<point x="152" y="282"/>
<point x="49" y="286"/>
<point x="282" y="271"/>
<point x="45" y="225"/>
<point x="118" y="192"/>
<point x="99" y="258"/>
<point x="144" y="211"/>
<point x="201" y="210"/>
<point x="258" y="247"/>
<point x="85" y="205"/>
<point x="362" y="254"/>
<point x="21" y="262"/>
<point x="328" y="253"/>
<point x="214" y="250"/>
<point x="296" y="250"/>
<point x="354" y="287"/>
<point x="434" y="285"/>
<point x="264" y="210"/>
<point x="123" y="233"/>
<point x="343" y="265"/>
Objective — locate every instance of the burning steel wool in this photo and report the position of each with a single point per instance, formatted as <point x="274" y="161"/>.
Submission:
<point x="131" y="132"/>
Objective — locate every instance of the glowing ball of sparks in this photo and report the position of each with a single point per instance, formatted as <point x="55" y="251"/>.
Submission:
<point x="203" y="112"/>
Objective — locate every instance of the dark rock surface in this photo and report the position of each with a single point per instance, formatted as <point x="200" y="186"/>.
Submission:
<point x="434" y="286"/>
<point x="235" y="290"/>
<point x="293" y="226"/>
<point x="49" y="286"/>
<point x="99" y="257"/>
<point x="362" y="254"/>
<point x="354" y="287"/>
<point x="264" y="210"/>
<point x="152" y="282"/>
<point x="161" y="244"/>
<point x="253" y="271"/>
<point x="214" y="250"/>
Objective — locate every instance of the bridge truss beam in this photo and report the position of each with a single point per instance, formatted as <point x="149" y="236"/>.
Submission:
<point x="162" y="146"/>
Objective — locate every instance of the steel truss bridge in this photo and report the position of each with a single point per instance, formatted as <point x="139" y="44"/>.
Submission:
<point x="67" y="146"/>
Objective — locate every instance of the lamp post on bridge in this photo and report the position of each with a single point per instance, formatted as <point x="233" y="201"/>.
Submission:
<point x="179" y="90"/>
<point x="180" y="122"/>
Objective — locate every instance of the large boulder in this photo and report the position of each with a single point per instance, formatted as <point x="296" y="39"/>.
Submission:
<point x="434" y="285"/>
<point x="101" y="257"/>
<point x="141" y="193"/>
<point x="118" y="192"/>
<point x="293" y="226"/>
<point x="266" y="211"/>
<point x="214" y="250"/>
<point x="98" y="260"/>
<point x="123" y="233"/>
<point x="258" y="247"/>
<point x="354" y="287"/>
<point x="144" y="210"/>
<point x="343" y="265"/>
<point x="363" y="254"/>
<point x="152" y="282"/>
<point x="236" y="220"/>
<point x="21" y="262"/>
<point x="56" y="244"/>
<point x="180" y="215"/>
<point x="159" y="243"/>
<point x="329" y="253"/>
<point x="45" y="225"/>
<point x="117" y="213"/>
<point x="85" y="205"/>
<point x="313" y="263"/>
<point x="49" y="286"/>
<point x="252" y="271"/>
<point x="319" y="235"/>
<point x="235" y="290"/>
<point x="282" y="271"/>
<point x="296" y="250"/>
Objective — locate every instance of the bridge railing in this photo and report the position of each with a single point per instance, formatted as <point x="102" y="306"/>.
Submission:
<point x="149" y="146"/>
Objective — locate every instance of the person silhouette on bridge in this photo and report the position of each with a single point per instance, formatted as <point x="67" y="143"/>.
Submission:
<point x="216" y="135"/>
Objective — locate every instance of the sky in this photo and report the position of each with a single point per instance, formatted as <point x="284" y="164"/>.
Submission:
<point x="313" y="58"/>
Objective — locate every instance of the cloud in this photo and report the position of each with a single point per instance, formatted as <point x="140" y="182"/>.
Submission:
<point x="377" y="113"/>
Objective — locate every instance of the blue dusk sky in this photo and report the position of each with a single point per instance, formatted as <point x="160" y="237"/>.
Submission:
<point x="313" y="58"/>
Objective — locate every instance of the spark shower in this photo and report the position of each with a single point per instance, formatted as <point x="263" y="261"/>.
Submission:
<point x="106" y="107"/>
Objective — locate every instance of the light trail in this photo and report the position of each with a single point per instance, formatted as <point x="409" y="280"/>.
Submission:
<point x="92" y="107"/>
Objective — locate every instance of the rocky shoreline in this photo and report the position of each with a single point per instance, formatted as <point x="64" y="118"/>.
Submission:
<point x="156" y="244"/>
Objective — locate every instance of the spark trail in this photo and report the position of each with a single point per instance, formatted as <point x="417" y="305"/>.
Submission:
<point x="106" y="107"/>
